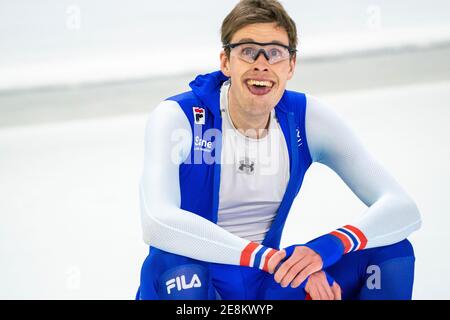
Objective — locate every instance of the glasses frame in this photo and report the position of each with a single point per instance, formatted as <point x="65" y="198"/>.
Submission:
<point x="231" y="46"/>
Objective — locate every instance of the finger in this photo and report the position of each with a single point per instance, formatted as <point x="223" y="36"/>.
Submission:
<point x="337" y="291"/>
<point x="285" y="267"/>
<point x="322" y="293"/>
<point x="313" y="293"/>
<point x="327" y="289"/>
<point x="309" y="284"/>
<point x="275" y="260"/>
<point x="294" y="271"/>
<point x="305" y="273"/>
<point x="326" y="286"/>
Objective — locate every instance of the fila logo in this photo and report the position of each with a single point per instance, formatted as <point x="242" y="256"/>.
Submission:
<point x="180" y="283"/>
<point x="199" y="115"/>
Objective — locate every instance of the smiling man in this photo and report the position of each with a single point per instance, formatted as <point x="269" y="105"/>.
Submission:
<point x="223" y="164"/>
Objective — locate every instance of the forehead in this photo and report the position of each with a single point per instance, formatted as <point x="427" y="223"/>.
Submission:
<point x="262" y="32"/>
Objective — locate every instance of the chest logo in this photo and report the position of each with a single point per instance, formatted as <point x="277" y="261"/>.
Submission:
<point x="199" y="115"/>
<point x="246" y="166"/>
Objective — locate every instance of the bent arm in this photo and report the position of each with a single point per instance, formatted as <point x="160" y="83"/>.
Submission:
<point x="391" y="215"/>
<point x="168" y="140"/>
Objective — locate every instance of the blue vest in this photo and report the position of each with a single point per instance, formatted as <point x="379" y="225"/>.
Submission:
<point x="200" y="174"/>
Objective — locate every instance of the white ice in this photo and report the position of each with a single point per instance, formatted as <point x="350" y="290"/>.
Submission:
<point x="70" y="226"/>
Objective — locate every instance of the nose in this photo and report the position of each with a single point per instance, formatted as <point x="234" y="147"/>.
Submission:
<point x="261" y="62"/>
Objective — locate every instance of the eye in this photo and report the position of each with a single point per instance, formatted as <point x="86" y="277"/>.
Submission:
<point x="274" y="52"/>
<point x="248" y="51"/>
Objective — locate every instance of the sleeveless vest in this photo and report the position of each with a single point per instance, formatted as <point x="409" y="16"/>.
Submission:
<point x="200" y="173"/>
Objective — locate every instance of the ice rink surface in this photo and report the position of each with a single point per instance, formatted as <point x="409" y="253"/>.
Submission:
<point x="70" y="219"/>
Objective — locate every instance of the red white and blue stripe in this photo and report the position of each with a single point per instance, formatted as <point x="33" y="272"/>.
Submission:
<point x="351" y="237"/>
<point x="257" y="256"/>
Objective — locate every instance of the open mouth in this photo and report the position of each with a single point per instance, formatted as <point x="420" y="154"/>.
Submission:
<point x="259" y="87"/>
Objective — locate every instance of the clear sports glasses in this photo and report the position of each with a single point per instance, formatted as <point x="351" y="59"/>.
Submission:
<point x="249" y="51"/>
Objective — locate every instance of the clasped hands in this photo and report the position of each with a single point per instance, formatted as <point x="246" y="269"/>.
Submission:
<point x="303" y="264"/>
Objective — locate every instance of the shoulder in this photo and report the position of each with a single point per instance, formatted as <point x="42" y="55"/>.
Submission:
<point x="318" y="112"/>
<point x="166" y="108"/>
<point x="328" y="133"/>
<point x="293" y="100"/>
<point x="184" y="99"/>
<point x="167" y="115"/>
<point x="167" y="134"/>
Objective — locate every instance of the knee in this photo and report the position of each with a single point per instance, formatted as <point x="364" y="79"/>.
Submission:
<point x="185" y="282"/>
<point x="167" y="276"/>
<point x="400" y="249"/>
<point x="403" y="248"/>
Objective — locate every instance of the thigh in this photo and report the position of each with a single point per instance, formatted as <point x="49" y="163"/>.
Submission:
<point x="236" y="282"/>
<point x="349" y="272"/>
<point x="352" y="271"/>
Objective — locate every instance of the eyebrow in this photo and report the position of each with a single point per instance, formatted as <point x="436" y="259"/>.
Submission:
<point x="252" y="40"/>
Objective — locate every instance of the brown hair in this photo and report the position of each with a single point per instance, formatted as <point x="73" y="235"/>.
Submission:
<point x="257" y="11"/>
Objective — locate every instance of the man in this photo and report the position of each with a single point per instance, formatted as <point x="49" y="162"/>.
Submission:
<point x="223" y="164"/>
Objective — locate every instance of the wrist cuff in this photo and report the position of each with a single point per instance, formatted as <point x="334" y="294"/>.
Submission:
<point x="351" y="238"/>
<point x="328" y="247"/>
<point x="256" y="256"/>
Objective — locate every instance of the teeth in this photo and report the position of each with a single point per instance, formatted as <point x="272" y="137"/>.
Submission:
<point x="260" y="83"/>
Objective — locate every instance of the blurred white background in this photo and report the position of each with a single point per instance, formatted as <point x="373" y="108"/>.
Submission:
<point x="79" y="78"/>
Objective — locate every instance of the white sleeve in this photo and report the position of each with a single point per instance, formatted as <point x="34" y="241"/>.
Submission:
<point x="391" y="215"/>
<point x="168" y="140"/>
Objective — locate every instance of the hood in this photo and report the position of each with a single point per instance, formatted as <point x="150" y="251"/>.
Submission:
<point x="207" y="89"/>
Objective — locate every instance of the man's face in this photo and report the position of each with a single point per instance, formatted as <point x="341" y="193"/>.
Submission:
<point x="256" y="101"/>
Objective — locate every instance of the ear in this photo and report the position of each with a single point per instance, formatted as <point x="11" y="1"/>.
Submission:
<point x="292" y="64"/>
<point x="224" y="64"/>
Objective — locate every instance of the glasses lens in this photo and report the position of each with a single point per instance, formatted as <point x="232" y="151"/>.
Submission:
<point x="249" y="52"/>
<point x="276" y="53"/>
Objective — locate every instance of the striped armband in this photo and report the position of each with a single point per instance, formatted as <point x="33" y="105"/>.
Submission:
<point x="351" y="237"/>
<point x="257" y="256"/>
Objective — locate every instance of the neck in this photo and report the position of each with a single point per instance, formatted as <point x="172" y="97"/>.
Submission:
<point x="252" y="126"/>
